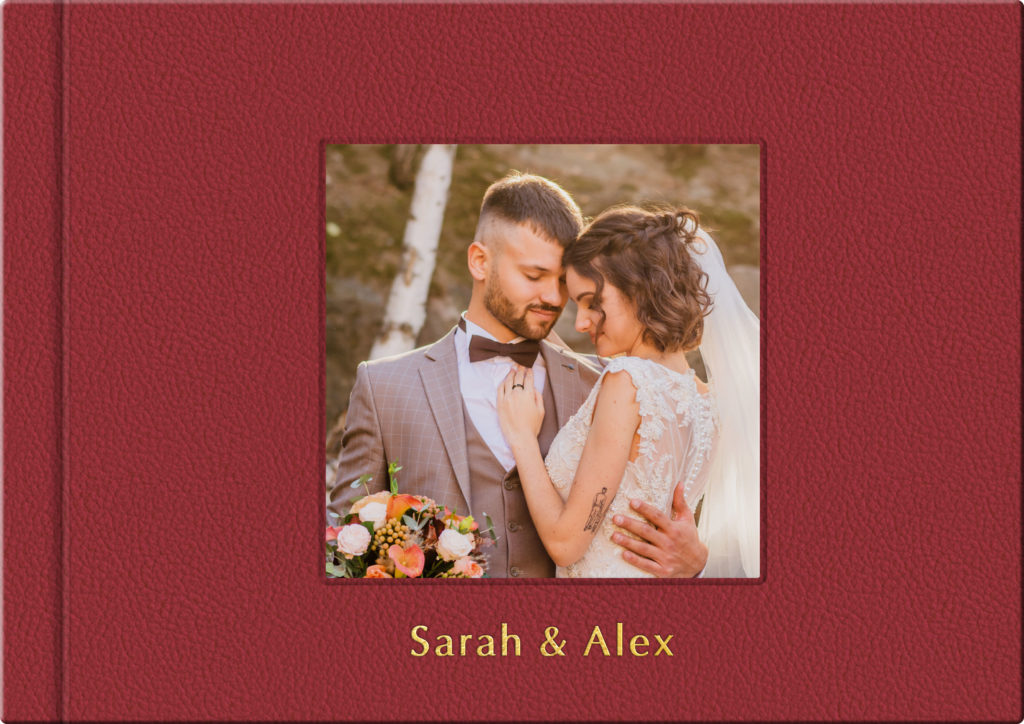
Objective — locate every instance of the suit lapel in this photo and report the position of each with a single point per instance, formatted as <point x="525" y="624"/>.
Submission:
<point x="564" y="378"/>
<point x="440" y="378"/>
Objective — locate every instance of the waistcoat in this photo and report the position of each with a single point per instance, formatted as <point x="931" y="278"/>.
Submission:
<point x="519" y="552"/>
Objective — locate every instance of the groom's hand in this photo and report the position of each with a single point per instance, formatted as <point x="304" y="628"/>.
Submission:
<point x="670" y="547"/>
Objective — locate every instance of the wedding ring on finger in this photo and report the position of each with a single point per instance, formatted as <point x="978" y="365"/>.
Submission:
<point x="519" y="385"/>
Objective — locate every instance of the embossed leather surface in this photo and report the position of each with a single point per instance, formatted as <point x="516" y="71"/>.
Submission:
<point x="32" y="371"/>
<point x="189" y="340"/>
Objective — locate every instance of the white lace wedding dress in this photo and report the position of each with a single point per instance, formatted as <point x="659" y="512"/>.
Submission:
<point x="678" y="434"/>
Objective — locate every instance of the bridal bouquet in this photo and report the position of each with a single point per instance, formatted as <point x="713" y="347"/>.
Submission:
<point x="392" y="535"/>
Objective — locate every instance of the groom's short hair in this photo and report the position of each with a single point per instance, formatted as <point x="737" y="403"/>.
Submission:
<point x="540" y="203"/>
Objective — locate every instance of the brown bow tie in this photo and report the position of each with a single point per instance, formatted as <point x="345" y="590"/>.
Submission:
<point x="481" y="348"/>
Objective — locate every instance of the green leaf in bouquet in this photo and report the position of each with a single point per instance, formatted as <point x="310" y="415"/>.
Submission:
<point x="438" y="566"/>
<point x="362" y="480"/>
<point x="369" y="527"/>
<point x="490" y="528"/>
<point x="413" y="524"/>
<point x="357" y="567"/>
<point x="393" y="469"/>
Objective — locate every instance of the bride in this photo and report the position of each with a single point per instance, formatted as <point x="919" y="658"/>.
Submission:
<point x="649" y="286"/>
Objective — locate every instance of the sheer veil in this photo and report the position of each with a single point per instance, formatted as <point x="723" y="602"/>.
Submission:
<point x="730" y="520"/>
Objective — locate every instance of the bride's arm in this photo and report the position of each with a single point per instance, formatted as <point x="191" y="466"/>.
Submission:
<point x="566" y="529"/>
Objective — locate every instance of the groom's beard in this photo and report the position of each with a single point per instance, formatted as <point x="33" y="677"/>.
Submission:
<point x="502" y="309"/>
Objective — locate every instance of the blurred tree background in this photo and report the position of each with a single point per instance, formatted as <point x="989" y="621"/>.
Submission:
<point x="369" y="191"/>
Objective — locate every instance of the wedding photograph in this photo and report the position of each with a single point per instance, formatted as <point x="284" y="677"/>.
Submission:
<point x="542" y="361"/>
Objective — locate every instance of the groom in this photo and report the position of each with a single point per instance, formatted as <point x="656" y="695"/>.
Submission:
<point x="433" y="410"/>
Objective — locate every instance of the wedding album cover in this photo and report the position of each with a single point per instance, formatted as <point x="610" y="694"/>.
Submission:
<point x="167" y="363"/>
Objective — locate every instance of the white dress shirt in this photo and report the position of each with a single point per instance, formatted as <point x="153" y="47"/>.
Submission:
<point x="479" y="383"/>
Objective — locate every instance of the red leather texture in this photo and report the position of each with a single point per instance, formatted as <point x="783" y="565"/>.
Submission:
<point x="32" y="363"/>
<point x="190" y="329"/>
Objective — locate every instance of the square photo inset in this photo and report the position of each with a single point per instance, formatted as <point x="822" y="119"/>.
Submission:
<point x="542" y="361"/>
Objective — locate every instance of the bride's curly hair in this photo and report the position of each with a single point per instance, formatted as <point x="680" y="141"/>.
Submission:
<point x="645" y="254"/>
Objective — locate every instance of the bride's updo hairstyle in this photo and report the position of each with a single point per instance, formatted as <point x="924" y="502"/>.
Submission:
<point x="646" y="255"/>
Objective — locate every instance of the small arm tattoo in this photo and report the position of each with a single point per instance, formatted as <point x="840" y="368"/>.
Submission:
<point x="596" y="511"/>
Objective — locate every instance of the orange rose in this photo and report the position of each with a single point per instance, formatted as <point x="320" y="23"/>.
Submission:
<point x="377" y="572"/>
<point x="468" y="567"/>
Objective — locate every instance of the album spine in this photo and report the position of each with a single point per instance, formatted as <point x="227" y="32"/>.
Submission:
<point x="32" y="376"/>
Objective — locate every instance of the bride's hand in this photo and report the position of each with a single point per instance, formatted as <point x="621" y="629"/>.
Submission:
<point x="520" y="407"/>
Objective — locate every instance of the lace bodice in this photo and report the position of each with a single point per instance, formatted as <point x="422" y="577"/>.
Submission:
<point x="678" y="432"/>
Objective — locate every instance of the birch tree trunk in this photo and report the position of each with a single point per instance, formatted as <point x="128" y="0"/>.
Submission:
<point x="407" y="303"/>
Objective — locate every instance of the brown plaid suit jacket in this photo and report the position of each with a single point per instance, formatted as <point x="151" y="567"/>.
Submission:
<point x="408" y="409"/>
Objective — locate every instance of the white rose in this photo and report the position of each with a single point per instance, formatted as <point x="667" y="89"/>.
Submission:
<point x="375" y="513"/>
<point x="353" y="539"/>
<point x="453" y="545"/>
